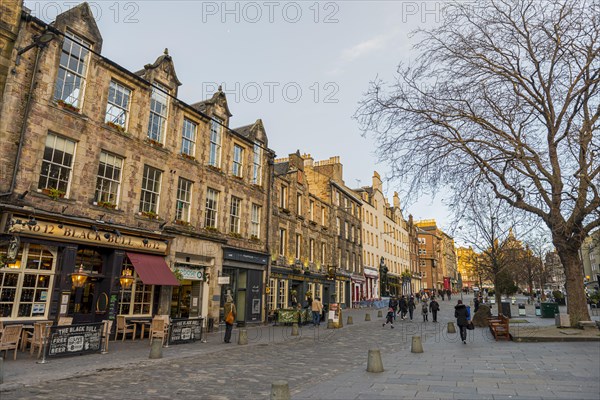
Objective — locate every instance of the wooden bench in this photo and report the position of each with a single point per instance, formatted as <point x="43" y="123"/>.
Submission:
<point x="499" y="326"/>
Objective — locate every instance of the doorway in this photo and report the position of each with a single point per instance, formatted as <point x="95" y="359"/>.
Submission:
<point x="83" y="301"/>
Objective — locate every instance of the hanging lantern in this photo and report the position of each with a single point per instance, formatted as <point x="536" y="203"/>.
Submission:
<point x="79" y="278"/>
<point x="126" y="278"/>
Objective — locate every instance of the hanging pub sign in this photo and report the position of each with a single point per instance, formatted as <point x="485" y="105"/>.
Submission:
<point x="185" y="330"/>
<point x="75" y="339"/>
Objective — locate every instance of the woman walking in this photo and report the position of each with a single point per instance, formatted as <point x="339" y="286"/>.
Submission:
<point x="425" y="310"/>
<point x="462" y="320"/>
<point x="230" y="313"/>
<point x="411" y="306"/>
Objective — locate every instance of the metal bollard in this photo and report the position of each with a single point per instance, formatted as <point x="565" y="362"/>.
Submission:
<point x="451" y="327"/>
<point x="379" y="314"/>
<point x="295" y="329"/>
<point x="242" y="337"/>
<point x="416" y="345"/>
<point x="349" y="321"/>
<point x="374" y="363"/>
<point x="367" y="317"/>
<point x="156" y="349"/>
<point x="280" y="390"/>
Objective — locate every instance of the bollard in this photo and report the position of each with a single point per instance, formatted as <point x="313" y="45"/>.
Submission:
<point x="330" y="324"/>
<point x="280" y="390"/>
<point x="349" y="320"/>
<point x="416" y="346"/>
<point x="243" y="337"/>
<point x="2" y="370"/>
<point x="374" y="363"/>
<point x="451" y="327"/>
<point x="156" y="349"/>
<point x="379" y="314"/>
<point x="367" y="317"/>
<point x="295" y="329"/>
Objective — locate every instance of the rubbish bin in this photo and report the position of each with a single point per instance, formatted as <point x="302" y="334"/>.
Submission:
<point x="522" y="312"/>
<point x="538" y="310"/>
<point x="549" y="310"/>
<point x="506" y="309"/>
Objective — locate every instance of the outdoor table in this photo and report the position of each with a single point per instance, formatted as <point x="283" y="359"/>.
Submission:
<point x="142" y="322"/>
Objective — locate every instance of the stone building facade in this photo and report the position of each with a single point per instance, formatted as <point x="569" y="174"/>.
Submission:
<point x="302" y="239"/>
<point x="107" y="171"/>
<point x="430" y="254"/>
<point x="325" y="179"/>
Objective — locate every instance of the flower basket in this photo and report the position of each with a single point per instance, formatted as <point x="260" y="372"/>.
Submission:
<point x="188" y="157"/>
<point x="235" y="235"/>
<point x="107" y="204"/>
<point x="211" y="229"/>
<point x="53" y="193"/>
<point x="68" y="106"/>
<point x="115" y="127"/>
<point x="254" y="238"/>
<point x="154" y="143"/>
<point x="149" y="214"/>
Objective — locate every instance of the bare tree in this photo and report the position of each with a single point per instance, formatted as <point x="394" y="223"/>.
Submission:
<point x="504" y="94"/>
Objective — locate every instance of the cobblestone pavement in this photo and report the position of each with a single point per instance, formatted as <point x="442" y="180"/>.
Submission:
<point x="330" y="364"/>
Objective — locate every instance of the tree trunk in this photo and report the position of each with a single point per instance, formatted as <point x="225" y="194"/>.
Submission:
<point x="497" y="294"/>
<point x="576" y="300"/>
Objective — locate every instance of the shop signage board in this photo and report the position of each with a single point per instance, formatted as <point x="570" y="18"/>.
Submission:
<point x="185" y="330"/>
<point x="334" y="313"/>
<point x="192" y="274"/>
<point x="75" y="339"/>
<point x="223" y="280"/>
<point x="64" y="232"/>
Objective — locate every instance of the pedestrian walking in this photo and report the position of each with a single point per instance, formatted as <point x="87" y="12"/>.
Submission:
<point x="449" y="293"/>
<point x="394" y="305"/>
<point x="434" y="307"/>
<point x="389" y="318"/>
<point x="476" y="302"/>
<point x="442" y="294"/>
<point x="317" y="308"/>
<point x="403" y="304"/>
<point x="418" y="296"/>
<point x="411" y="306"/>
<point x="230" y="314"/>
<point x="462" y="319"/>
<point x="425" y="310"/>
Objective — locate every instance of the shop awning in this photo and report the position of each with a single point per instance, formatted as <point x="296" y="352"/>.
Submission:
<point x="370" y="273"/>
<point x="153" y="270"/>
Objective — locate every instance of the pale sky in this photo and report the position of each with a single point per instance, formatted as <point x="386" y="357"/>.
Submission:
<point x="300" y="66"/>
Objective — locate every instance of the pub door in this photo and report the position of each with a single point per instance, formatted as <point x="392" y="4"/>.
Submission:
<point x="86" y="303"/>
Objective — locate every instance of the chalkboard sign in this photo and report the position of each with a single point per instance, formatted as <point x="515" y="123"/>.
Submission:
<point x="185" y="330"/>
<point x="66" y="340"/>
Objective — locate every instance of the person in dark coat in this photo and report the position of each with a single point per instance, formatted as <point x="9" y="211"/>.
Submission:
<point x="411" y="306"/>
<point x="434" y="307"/>
<point x="394" y="305"/>
<point x="403" y="304"/>
<point x="476" y="303"/>
<point x="462" y="319"/>
<point x="389" y="318"/>
<point x="424" y="310"/>
<point x="449" y="294"/>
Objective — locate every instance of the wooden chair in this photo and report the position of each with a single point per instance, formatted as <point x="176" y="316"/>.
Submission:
<point x="124" y="328"/>
<point x="10" y="339"/>
<point x="65" y="321"/>
<point x="36" y="338"/>
<point x="106" y="333"/>
<point x="158" y="329"/>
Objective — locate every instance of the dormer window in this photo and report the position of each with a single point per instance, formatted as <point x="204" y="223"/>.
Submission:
<point x="158" y="112"/>
<point x="216" y="128"/>
<point x="70" y="82"/>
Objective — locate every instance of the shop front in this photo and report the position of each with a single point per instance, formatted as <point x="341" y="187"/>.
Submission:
<point x="371" y="283"/>
<point x="357" y="283"/>
<point x="63" y="269"/>
<point x="244" y="274"/>
<point x="187" y="300"/>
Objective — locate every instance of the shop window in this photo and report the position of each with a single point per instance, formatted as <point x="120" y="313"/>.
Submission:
<point x="136" y="300"/>
<point x="26" y="283"/>
<point x="283" y="297"/>
<point x="272" y="297"/>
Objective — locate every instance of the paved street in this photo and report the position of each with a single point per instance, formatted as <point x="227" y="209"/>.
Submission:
<point x="323" y="364"/>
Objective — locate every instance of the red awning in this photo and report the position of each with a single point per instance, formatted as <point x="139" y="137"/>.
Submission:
<point x="153" y="270"/>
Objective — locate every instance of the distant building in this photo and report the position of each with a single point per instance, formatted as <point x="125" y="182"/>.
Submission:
<point x="590" y="256"/>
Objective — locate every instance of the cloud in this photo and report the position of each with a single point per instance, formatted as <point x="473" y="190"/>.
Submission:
<point x="363" y="48"/>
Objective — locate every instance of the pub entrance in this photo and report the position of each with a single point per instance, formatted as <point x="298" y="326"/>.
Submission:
<point x="88" y="303"/>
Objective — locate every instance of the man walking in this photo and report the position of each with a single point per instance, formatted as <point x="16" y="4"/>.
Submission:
<point x="462" y="320"/>
<point x="403" y="307"/>
<point x="434" y="307"/>
<point x="411" y="306"/>
<point x="317" y="308"/>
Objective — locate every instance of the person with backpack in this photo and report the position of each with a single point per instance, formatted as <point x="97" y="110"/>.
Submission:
<point x="403" y="305"/>
<point x="389" y="318"/>
<point x="425" y="310"/>
<point x="461" y="313"/>
<point x="434" y="307"/>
